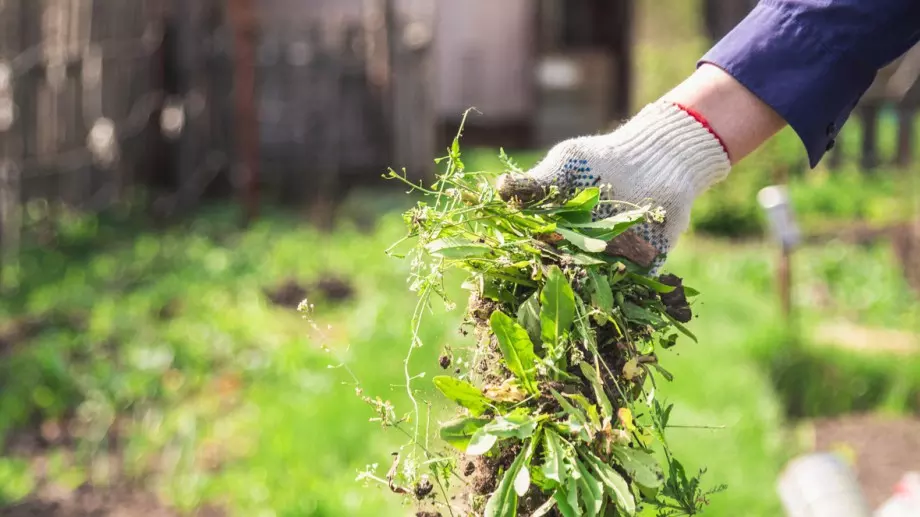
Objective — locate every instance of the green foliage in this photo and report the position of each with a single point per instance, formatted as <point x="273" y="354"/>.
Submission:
<point x="120" y="274"/>
<point x="581" y="320"/>
<point x="516" y="348"/>
<point x="557" y="308"/>
<point x="463" y="393"/>
<point x="515" y="482"/>
<point x="816" y="381"/>
<point x="170" y="330"/>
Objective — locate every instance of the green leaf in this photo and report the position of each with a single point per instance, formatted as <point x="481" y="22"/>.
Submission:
<point x="601" y="295"/>
<point x="456" y="248"/>
<point x="480" y="443"/>
<point x="582" y="259"/>
<point x="553" y="467"/>
<point x="637" y="313"/>
<point x="591" y="373"/>
<point x="494" y="291"/>
<point x="571" y="488"/>
<point x="557" y="311"/>
<point x="622" y="219"/>
<point x="503" y="502"/>
<point x="664" y="373"/>
<point x="462" y="393"/>
<point x="611" y="227"/>
<point x="562" y="501"/>
<point x="589" y="409"/>
<point x="651" y="283"/>
<point x="582" y="241"/>
<point x="516" y="347"/>
<point x="690" y="292"/>
<point x="680" y="326"/>
<point x="580" y="418"/>
<point x="584" y="200"/>
<point x="522" y="480"/>
<point x="528" y="316"/>
<point x="544" y="508"/>
<point x="507" y="161"/>
<point x="592" y="490"/>
<point x="517" y="424"/>
<point x="455" y="146"/>
<point x="458" y="432"/>
<point x="614" y="483"/>
<point x="640" y="466"/>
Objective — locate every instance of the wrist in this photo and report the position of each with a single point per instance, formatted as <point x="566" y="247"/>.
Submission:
<point x="741" y="119"/>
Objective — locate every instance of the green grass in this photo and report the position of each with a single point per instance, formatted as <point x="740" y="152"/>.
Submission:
<point x="231" y="380"/>
<point x="230" y="400"/>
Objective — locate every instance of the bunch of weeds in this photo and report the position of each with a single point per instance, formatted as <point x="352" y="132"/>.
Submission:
<point x="557" y="407"/>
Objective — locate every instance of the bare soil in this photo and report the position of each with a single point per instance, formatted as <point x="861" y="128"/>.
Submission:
<point x="88" y="501"/>
<point x="119" y="498"/>
<point x="291" y="292"/>
<point x="885" y="449"/>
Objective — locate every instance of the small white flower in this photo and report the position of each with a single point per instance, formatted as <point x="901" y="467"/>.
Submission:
<point x="657" y="215"/>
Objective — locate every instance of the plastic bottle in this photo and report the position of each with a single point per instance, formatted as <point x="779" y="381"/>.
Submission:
<point x="822" y="485"/>
<point x="906" y="499"/>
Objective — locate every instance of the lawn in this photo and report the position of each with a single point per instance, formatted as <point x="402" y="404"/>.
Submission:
<point x="163" y="349"/>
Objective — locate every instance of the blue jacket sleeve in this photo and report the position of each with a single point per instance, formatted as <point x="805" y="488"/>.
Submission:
<point x="811" y="60"/>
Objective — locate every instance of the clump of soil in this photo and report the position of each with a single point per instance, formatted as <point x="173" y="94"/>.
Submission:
<point x="676" y="301"/>
<point x="291" y="292"/>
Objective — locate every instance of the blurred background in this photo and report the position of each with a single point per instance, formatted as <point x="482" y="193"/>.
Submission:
<point x="176" y="176"/>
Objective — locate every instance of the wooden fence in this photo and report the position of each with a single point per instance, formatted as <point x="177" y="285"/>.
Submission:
<point x="77" y="97"/>
<point x="345" y="89"/>
<point x="180" y="99"/>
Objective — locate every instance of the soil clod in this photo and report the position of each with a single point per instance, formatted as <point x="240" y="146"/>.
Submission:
<point x="675" y="302"/>
<point x="291" y="292"/>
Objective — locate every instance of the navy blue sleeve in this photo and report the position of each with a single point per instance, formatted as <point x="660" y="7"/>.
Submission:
<point x="811" y="60"/>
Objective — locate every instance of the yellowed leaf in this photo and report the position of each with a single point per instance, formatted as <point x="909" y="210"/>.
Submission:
<point x="631" y="369"/>
<point x="624" y="415"/>
<point x="506" y="392"/>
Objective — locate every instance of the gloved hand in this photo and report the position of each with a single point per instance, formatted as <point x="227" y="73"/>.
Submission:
<point x="664" y="156"/>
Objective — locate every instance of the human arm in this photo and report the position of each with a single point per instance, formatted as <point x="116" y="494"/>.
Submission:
<point x="802" y="62"/>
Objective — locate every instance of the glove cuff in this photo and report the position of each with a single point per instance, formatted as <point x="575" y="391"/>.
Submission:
<point x="674" y="145"/>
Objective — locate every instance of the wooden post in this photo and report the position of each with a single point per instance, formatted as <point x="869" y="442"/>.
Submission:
<point x="617" y="40"/>
<point x="784" y="275"/>
<point x="243" y="21"/>
<point x="868" y="114"/>
<point x="412" y="116"/>
<point x="835" y="157"/>
<point x="775" y="202"/>
<point x="905" y="151"/>
<point x="11" y="145"/>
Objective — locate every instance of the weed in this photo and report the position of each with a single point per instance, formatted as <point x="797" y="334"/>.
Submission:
<point x="558" y="408"/>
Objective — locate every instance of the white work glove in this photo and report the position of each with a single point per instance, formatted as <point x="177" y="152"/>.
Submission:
<point x="664" y="156"/>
